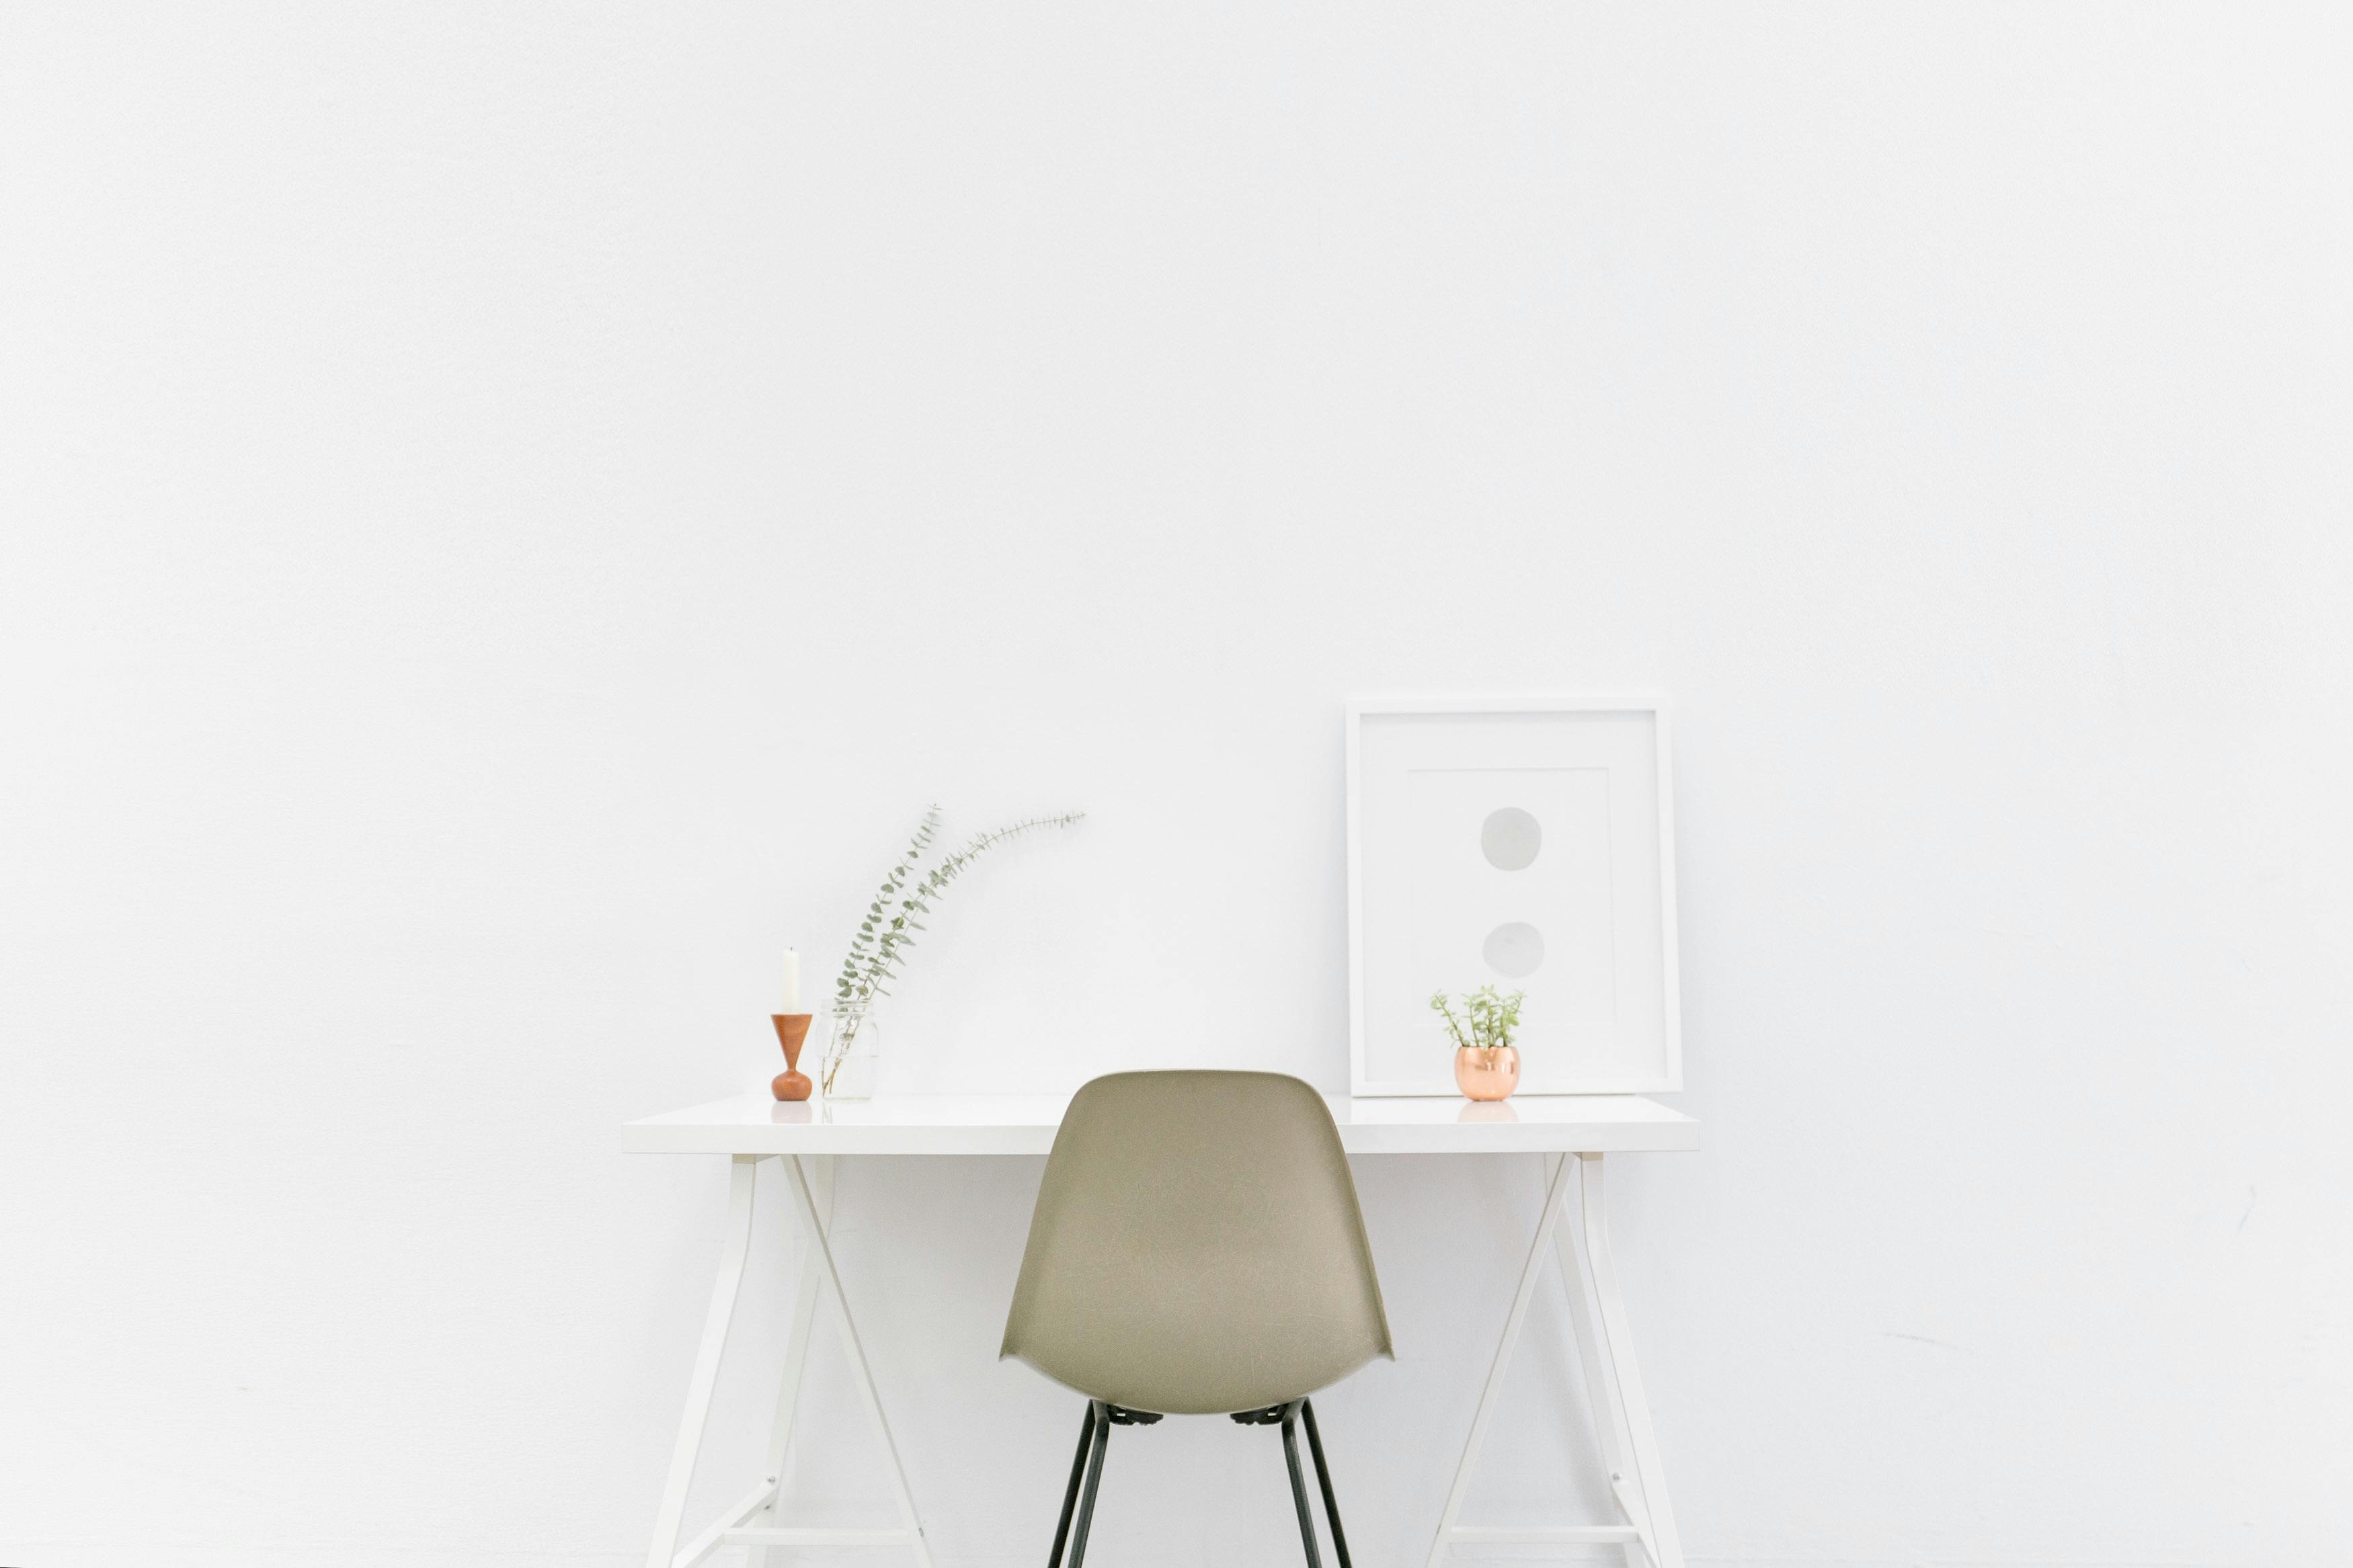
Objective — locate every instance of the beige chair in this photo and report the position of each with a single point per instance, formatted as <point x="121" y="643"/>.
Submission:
<point x="1196" y="1250"/>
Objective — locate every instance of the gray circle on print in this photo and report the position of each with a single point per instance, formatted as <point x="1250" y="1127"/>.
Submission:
<point x="1515" y="951"/>
<point x="1510" y="838"/>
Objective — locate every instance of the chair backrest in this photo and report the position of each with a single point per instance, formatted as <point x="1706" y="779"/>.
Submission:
<point x="1196" y="1247"/>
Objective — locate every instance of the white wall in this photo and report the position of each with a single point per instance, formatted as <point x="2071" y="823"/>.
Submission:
<point x="510" y="512"/>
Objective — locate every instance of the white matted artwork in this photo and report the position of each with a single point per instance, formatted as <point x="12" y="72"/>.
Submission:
<point x="1523" y="843"/>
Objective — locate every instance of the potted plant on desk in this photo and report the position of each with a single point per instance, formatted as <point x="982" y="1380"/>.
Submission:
<point x="1486" y="1063"/>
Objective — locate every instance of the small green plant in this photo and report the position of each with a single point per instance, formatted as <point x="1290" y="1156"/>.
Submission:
<point x="891" y="922"/>
<point x="1488" y="1019"/>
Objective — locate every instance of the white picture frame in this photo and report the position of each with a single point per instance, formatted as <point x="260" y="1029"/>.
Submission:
<point x="1448" y="800"/>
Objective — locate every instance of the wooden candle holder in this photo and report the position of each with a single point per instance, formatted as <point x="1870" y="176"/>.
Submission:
<point x="792" y="1031"/>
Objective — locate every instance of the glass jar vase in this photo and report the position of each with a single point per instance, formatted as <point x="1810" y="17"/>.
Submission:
<point x="852" y="1064"/>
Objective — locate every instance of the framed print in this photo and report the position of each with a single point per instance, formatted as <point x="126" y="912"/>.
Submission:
<point x="1524" y="843"/>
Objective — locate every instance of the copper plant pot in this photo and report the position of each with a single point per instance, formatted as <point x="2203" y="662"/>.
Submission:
<point x="792" y="1029"/>
<point x="1487" y="1072"/>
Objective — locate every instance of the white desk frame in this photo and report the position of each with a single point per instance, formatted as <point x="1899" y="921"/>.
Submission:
<point x="1574" y="1134"/>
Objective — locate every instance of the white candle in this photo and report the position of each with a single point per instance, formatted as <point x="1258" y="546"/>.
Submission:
<point x="792" y="982"/>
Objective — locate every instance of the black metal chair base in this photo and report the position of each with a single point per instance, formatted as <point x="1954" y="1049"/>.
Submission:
<point x="1094" y="1436"/>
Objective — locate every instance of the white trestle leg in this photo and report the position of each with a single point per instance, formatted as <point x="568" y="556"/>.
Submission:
<point x="818" y="1283"/>
<point x="788" y="1393"/>
<point x="1545" y="1224"/>
<point x="1601" y="1394"/>
<point x="1605" y="1350"/>
<point x="828" y="1282"/>
<point x="724" y="1290"/>
<point x="1618" y="1348"/>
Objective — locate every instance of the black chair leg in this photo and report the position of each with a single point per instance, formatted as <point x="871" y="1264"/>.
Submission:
<point x="1324" y="1478"/>
<point x="1070" y="1494"/>
<point x="1299" y="1483"/>
<point x="1094" y="1478"/>
<point x="1095" y="1438"/>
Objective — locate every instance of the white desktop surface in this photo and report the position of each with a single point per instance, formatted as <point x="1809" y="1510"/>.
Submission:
<point x="1025" y="1123"/>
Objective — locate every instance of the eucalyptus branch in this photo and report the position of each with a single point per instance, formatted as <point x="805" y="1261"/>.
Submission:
<point x="878" y="950"/>
<point x="861" y="960"/>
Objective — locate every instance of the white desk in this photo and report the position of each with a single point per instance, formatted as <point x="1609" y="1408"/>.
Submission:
<point x="1575" y="1132"/>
